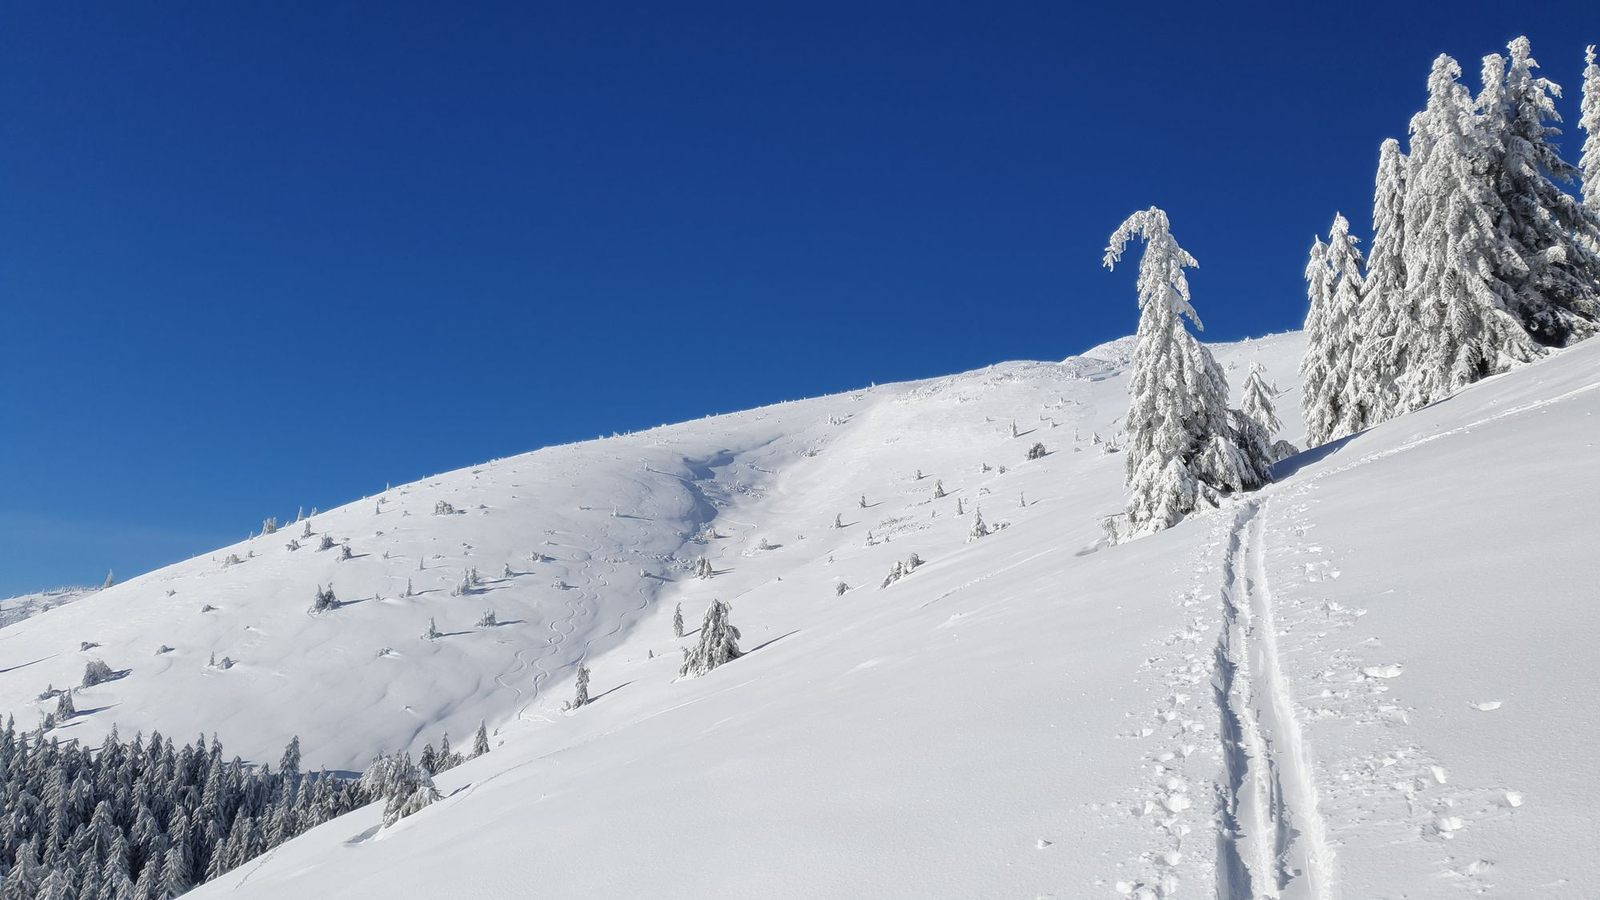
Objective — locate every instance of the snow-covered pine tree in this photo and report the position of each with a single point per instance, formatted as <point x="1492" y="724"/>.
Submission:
<point x="979" y="528"/>
<point x="1257" y="403"/>
<point x="1333" y="285"/>
<point x="433" y="631"/>
<point x="1259" y="407"/>
<point x="1463" y="329"/>
<point x="64" y="706"/>
<point x="1589" y="121"/>
<point x="677" y="621"/>
<point x="1545" y="233"/>
<point x="1387" y="317"/>
<point x="581" y="688"/>
<point x="1181" y="449"/>
<point x="111" y="579"/>
<point x="719" y="643"/>
<point x="480" y="741"/>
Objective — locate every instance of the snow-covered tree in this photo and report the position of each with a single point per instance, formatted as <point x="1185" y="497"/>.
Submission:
<point x="324" y="599"/>
<point x="480" y="741"/>
<point x="289" y="764"/>
<point x="1333" y="285"/>
<point x="979" y="528"/>
<point x="1589" y="121"/>
<point x="1463" y="328"/>
<point x="96" y="671"/>
<point x="1181" y="449"/>
<point x="64" y="707"/>
<point x="433" y="631"/>
<point x="719" y="642"/>
<point x="1545" y="235"/>
<point x="677" y="621"/>
<point x="488" y="620"/>
<point x="111" y="579"/>
<point x="1037" y="451"/>
<point x="1387" y="319"/>
<point x="581" y="688"/>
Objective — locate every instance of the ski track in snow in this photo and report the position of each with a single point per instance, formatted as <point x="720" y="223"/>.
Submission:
<point x="1273" y="843"/>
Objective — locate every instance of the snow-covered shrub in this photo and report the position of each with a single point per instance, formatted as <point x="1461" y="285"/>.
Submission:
<point x="1037" y="451"/>
<point x="96" y="672"/>
<point x="487" y="620"/>
<point x="324" y="600"/>
<point x="443" y="508"/>
<point x="840" y="589"/>
<point x="326" y="543"/>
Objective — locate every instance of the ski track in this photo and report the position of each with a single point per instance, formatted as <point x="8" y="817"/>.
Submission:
<point x="1274" y="843"/>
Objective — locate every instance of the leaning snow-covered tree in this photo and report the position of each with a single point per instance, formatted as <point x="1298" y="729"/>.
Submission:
<point x="1181" y="448"/>
<point x="1463" y="329"/>
<point x="1333" y="285"/>
<point x="719" y="642"/>
<point x="1546" y="235"/>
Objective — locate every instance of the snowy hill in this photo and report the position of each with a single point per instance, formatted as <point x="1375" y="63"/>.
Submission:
<point x="1377" y="694"/>
<point x="23" y="606"/>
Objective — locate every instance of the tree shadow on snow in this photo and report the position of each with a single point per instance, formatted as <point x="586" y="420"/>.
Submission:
<point x="27" y="664"/>
<point x="1283" y="468"/>
<point x="596" y="697"/>
<point x="769" y="643"/>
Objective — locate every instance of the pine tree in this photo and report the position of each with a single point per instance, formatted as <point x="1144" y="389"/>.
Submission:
<point x="1387" y="317"/>
<point x="480" y="741"/>
<point x="979" y="528"/>
<point x="677" y="621"/>
<point x="1333" y="279"/>
<point x="1181" y="450"/>
<point x="1463" y="329"/>
<point x="581" y="695"/>
<point x="433" y="631"/>
<point x="289" y="765"/>
<point x="1545" y="234"/>
<point x="1589" y="121"/>
<point x="719" y="643"/>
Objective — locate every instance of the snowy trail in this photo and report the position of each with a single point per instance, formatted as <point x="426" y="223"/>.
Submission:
<point x="1273" y="843"/>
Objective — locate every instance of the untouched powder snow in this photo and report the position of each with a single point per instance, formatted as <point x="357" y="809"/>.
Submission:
<point x="1370" y="679"/>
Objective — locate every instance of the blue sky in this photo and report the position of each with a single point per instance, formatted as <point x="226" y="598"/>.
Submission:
<point x="254" y="256"/>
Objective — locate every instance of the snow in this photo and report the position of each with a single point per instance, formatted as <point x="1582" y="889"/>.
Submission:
<point x="1396" y="637"/>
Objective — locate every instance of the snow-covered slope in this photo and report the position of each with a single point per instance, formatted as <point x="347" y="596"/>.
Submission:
<point x="593" y="533"/>
<point x="1376" y="673"/>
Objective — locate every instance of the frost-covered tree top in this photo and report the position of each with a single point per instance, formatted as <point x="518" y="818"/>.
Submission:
<point x="1180" y="446"/>
<point x="1589" y="121"/>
